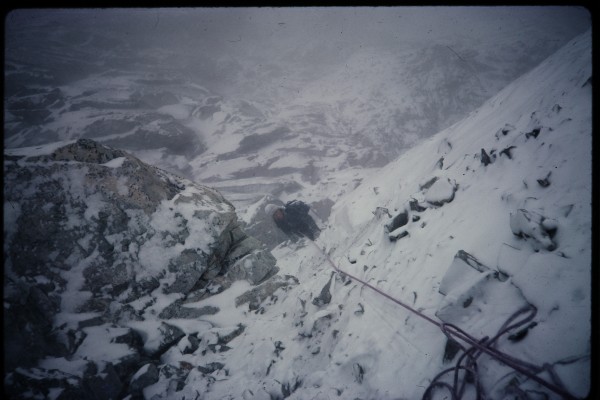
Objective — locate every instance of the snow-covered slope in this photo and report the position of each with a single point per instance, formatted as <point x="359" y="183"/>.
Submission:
<point x="510" y="186"/>
<point x="488" y="216"/>
<point x="304" y="113"/>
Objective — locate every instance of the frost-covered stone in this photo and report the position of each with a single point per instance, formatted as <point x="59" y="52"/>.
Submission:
<point x="532" y="225"/>
<point x="397" y="234"/>
<point x="464" y="267"/>
<point x="254" y="267"/>
<point x="398" y="221"/>
<point x="441" y="192"/>
<point x="260" y="293"/>
<point x="145" y="376"/>
<point x="482" y="302"/>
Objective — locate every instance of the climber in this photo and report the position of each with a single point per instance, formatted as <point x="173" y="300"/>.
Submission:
<point x="294" y="219"/>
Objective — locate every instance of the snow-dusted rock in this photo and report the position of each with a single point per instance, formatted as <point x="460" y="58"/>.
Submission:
<point x="260" y="293"/>
<point x="324" y="296"/>
<point x="97" y="238"/>
<point x="534" y="226"/>
<point x="398" y="221"/>
<point x="145" y="376"/>
<point x="464" y="267"/>
<point x="441" y="192"/>
<point x="255" y="266"/>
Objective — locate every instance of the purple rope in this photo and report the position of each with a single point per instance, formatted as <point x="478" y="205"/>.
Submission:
<point x="477" y="348"/>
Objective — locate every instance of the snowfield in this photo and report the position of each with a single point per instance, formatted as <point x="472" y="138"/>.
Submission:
<point x="330" y="337"/>
<point x="483" y="228"/>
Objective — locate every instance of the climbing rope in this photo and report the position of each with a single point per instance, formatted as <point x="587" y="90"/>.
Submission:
<point x="472" y="353"/>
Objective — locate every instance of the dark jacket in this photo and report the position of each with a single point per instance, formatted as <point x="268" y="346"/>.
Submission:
<point x="297" y="221"/>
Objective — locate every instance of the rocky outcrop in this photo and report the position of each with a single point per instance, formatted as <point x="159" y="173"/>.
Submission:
<point x="96" y="242"/>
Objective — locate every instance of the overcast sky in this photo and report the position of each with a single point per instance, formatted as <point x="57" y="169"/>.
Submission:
<point x="223" y="30"/>
<point x="308" y="38"/>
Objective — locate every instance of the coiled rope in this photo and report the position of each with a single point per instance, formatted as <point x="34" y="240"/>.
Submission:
<point x="477" y="347"/>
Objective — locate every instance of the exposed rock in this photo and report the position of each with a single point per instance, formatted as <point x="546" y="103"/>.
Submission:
<point x="463" y="268"/>
<point x="535" y="228"/>
<point x="397" y="234"/>
<point x="508" y="151"/>
<point x="450" y="350"/>
<point x="211" y="367"/>
<point x="167" y="336"/>
<point x="358" y="372"/>
<point x="504" y="131"/>
<point x="545" y="182"/>
<point x="415" y="206"/>
<point x="255" y="267"/>
<point x="145" y="376"/>
<point x="325" y="296"/>
<point x="226" y="335"/>
<point x="177" y="310"/>
<point x="380" y="212"/>
<point x="257" y="295"/>
<point x="188" y="266"/>
<point x="485" y="159"/>
<point x="189" y="344"/>
<point x="480" y="296"/>
<point x="103" y="382"/>
<point x="428" y="184"/>
<point x="441" y="192"/>
<point x="534" y="133"/>
<point x="398" y="221"/>
<point x="100" y="232"/>
<point x="28" y="315"/>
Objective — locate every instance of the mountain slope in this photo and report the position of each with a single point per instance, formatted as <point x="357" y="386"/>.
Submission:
<point x="101" y="253"/>
<point x="520" y="212"/>
<point x="486" y="217"/>
<point x="275" y="115"/>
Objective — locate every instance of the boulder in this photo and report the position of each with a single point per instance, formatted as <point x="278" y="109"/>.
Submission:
<point x="477" y="299"/>
<point x="441" y="192"/>
<point x="535" y="228"/>
<point x="260" y="293"/>
<point x="398" y="221"/>
<point x="463" y="268"/>
<point x="145" y="376"/>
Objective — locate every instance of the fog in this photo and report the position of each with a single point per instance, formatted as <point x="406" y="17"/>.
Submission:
<point x="226" y="47"/>
<point x="311" y="91"/>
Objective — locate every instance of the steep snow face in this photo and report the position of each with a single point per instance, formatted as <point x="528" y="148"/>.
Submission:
<point x="516" y="177"/>
<point x="486" y="218"/>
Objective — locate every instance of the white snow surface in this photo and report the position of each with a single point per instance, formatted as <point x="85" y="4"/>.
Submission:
<point x="362" y="345"/>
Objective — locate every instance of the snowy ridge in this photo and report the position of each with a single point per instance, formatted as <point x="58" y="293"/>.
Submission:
<point x="329" y="338"/>
<point x="548" y="172"/>
<point x="154" y="290"/>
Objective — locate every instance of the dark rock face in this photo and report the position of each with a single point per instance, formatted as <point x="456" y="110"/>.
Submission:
<point x="398" y="221"/>
<point x="91" y="229"/>
<point x="146" y="376"/>
<point x="324" y="297"/>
